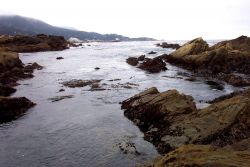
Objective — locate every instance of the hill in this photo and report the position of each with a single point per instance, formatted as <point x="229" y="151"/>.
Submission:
<point x="14" y="25"/>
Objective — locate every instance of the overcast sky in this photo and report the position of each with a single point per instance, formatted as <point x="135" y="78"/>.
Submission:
<point x="161" y="19"/>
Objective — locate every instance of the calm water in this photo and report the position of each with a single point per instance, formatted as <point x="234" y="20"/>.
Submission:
<point x="85" y="130"/>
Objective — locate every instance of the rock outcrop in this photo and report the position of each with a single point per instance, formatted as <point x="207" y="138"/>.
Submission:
<point x="12" y="108"/>
<point x="220" y="60"/>
<point x="237" y="155"/>
<point x="170" y="119"/>
<point x="36" y="43"/>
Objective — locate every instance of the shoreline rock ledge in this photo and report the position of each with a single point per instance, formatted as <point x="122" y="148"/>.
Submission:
<point x="171" y="121"/>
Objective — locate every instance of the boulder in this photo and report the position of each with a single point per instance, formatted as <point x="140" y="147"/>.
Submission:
<point x="80" y="83"/>
<point x="153" y="65"/>
<point x="152" y="52"/>
<point x="141" y="58"/>
<point x="59" y="58"/>
<point x="170" y="119"/>
<point x="13" y="107"/>
<point x="132" y="61"/>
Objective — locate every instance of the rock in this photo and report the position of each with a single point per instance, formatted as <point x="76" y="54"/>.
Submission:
<point x="32" y="67"/>
<point x="6" y="90"/>
<point x="132" y="61"/>
<point x="193" y="47"/>
<point x="59" y="98"/>
<point x="117" y="79"/>
<point x="178" y="122"/>
<point x="128" y="148"/>
<point x="152" y="52"/>
<point x="167" y="45"/>
<point x="205" y="155"/>
<point x="97" y="68"/>
<point x="141" y="58"/>
<point x="235" y="80"/>
<point x="61" y="90"/>
<point x="79" y="83"/>
<point x="153" y="65"/>
<point x="59" y="58"/>
<point x="13" y="107"/>
<point x="215" y="85"/>
<point x="191" y="79"/>
<point x="41" y="42"/>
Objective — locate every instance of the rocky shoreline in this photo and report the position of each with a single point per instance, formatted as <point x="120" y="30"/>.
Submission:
<point x="12" y="69"/>
<point x="171" y="121"/>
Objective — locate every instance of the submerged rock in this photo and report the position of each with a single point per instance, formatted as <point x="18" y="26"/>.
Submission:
<point x="13" y="107"/>
<point x="59" y="98"/>
<point x="80" y="83"/>
<point x="215" y="85"/>
<point x="32" y="67"/>
<point x="170" y="119"/>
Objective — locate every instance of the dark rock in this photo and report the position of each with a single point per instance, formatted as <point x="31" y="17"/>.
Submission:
<point x="236" y="80"/>
<point x="97" y="68"/>
<point x="167" y="45"/>
<point x="13" y="107"/>
<point x="152" y="52"/>
<point x="37" y="43"/>
<point x="59" y="58"/>
<point x="215" y="85"/>
<point x="6" y="90"/>
<point x="32" y="67"/>
<point x="132" y="61"/>
<point x="61" y="90"/>
<point x="141" y="58"/>
<point x="153" y="65"/>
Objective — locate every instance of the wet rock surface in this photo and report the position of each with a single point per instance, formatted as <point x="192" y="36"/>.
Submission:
<point x="80" y="83"/>
<point x="170" y="119"/>
<point x="59" y="58"/>
<point x="132" y="61"/>
<point x="59" y="98"/>
<point x="12" y="108"/>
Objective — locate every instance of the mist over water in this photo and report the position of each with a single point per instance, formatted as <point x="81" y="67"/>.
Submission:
<point x="85" y="130"/>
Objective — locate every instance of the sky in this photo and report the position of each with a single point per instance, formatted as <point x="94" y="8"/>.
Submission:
<point x="160" y="19"/>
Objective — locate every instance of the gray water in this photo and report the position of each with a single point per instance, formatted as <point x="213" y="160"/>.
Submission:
<point x="85" y="130"/>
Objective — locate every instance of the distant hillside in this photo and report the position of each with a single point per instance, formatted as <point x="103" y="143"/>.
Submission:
<point x="13" y="25"/>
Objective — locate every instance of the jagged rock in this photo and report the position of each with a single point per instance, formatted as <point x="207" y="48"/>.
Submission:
<point x="12" y="108"/>
<point x="170" y="119"/>
<point x="237" y="155"/>
<point x="167" y="45"/>
<point x="193" y="47"/>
